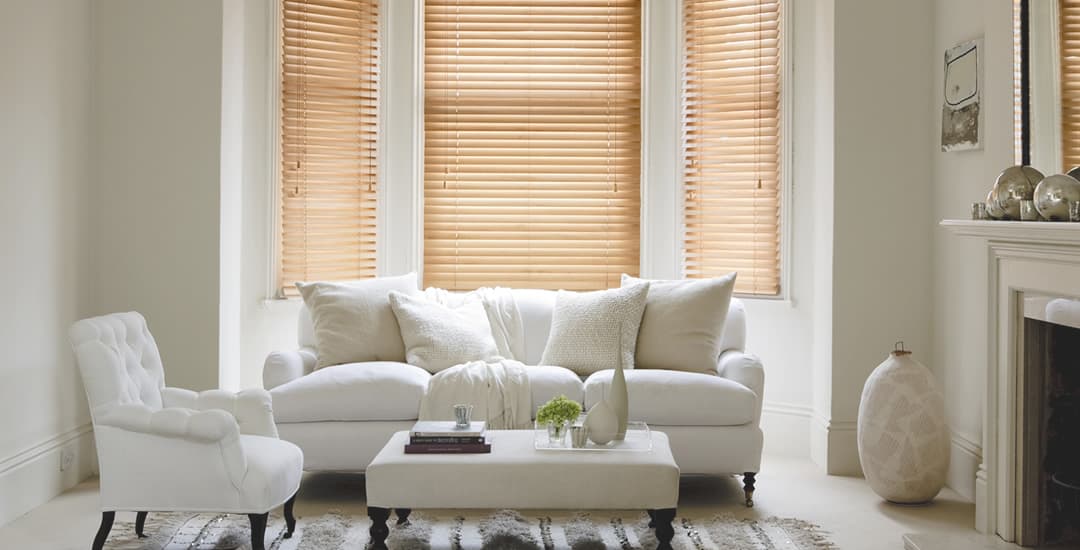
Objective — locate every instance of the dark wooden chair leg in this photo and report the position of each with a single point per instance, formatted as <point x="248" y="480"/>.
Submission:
<point x="258" y="530"/>
<point x="290" y="519"/>
<point x="402" y="515"/>
<point x="748" y="488"/>
<point x="379" y="531"/>
<point x="140" y="522"/>
<point x="662" y="519"/>
<point x="103" y="531"/>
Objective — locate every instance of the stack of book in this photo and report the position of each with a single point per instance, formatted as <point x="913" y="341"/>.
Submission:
<point x="428" y="437"/>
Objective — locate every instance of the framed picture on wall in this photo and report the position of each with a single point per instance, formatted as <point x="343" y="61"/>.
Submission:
<point x="961" y="111"/>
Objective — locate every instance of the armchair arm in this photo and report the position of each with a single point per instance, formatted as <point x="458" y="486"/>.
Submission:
<point x="746" y="369"/>
<point x="211" y="426"/>
<point x="128" y="435"/>
<point x="285" y="366"/>
<point x="251" y="409"/>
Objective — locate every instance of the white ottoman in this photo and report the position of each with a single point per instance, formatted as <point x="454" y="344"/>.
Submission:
<point x="516" y="475"/>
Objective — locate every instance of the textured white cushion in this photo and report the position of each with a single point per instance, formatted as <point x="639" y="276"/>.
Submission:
<point x="585" y="328"/>
<point x="353" y="320"/>
<point x="437" y="336"/>
<point x="683" y="323"/>
<point x="675" y="398"/>
<point x="377" y="390"/>
<point x="546" y="383"/>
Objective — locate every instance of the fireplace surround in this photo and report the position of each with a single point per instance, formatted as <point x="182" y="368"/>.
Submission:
<point x="1026" y="260"/>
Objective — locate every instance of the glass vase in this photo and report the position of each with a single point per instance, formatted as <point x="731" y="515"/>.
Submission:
<point x="557" y="434"/>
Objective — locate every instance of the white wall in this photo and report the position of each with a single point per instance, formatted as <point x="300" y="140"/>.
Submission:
<point x="158" y="101"/>
<point x="882" y="208"/>
<point x="47" y="282"/>
<point x="960" y="278"/>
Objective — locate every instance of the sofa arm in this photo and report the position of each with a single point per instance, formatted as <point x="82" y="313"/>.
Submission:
<point x="285" y="366"/>
<point x="746" y="369"/>
<point x="251" y="408"/>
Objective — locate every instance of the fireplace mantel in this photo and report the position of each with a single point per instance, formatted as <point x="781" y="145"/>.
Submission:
<point x="1039" y="257"/>
<point x="1062" y="233"/>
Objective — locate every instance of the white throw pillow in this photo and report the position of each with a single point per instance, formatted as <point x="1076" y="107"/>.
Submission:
<point x="353" y="320"/>
<point x="584" y="333"/>
<point x="438" y="336"/>
<point x="683" y="323"/>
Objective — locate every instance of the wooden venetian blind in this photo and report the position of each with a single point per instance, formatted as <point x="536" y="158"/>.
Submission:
<point x="732" y="141"/>
<point x="329" y="139"/>
<point x="532" y="142"/>
<point x="1069" y="23"/>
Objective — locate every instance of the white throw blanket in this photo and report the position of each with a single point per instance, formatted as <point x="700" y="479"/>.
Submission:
<point x="498" y="388"/>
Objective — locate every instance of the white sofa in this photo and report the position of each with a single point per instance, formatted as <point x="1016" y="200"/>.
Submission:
<point x="341" y="416"/>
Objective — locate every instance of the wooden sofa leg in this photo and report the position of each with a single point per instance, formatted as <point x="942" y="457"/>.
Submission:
<point x="140" y="523"/>
<point x="103" y="531"/>
<point x="748" y="488"/>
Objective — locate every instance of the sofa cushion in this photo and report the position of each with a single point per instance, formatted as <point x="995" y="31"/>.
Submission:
<point x="547" y="382"/>
<point x="592" y="331"/>
<point x="353" y="320"/>
<point x="675" y="398"/>
<point x="439" y="336"/>
<point x="376" y="390"/>
<point x="683" y="323"/>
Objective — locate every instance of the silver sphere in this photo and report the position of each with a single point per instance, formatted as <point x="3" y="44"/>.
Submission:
<point x="993" y="209"/>
<point x="1014" y="184"/>
<point x="1053" y="195"/>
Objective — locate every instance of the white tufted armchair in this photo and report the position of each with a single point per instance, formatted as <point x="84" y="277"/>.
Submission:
<point x="168" y="449"/>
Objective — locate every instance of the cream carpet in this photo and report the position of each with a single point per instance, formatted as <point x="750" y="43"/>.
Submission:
<point x="450" y="530"/>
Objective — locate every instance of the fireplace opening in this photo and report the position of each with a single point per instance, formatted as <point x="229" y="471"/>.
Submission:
<point x="1050" y="424"/>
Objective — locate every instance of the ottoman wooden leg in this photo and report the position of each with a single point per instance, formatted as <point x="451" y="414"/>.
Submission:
<point x="661" y="520"/>
<point x="748" y="488"/>
<point x="402" y="515"/>
<point x="140" y="523"/>
<point x="379" y="531"/>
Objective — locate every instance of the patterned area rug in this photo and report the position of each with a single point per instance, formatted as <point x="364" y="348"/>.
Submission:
<point x="502" y="530"/>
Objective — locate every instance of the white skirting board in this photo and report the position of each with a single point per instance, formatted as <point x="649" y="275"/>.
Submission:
<point x="787" y="429"/>
<point x="834" y="446"/>
<point x="963" y="466"/>
<point x="32" y="477"/>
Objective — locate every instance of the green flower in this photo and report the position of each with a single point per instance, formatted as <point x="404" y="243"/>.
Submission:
<point x="558" y="411"/>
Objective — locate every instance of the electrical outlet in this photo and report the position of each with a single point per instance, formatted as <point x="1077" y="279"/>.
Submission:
<point x="67" y="458"/>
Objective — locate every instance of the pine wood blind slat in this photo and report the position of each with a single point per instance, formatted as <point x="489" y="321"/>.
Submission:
<point x="732" y="142"/>
<point x="1069" y="23"/>
<point x="329" y="140"/>
<point x="532" y="143"/>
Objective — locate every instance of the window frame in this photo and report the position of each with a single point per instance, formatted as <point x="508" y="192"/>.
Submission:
<point x="274" y="147"/>
<point x="662" y="225"/>
<point x="786" y="153"/>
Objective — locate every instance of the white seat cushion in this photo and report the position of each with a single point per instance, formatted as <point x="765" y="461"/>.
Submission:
<point x="675" y="398"/>
<point x="548" y="382"/>
<point x="273" y="473"/>
<point x="376" y="390"/>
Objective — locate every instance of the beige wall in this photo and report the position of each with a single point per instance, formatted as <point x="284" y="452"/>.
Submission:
<point x="960" y="326"/>
<point x="46" y="249"/>
<point x="158" y="144"/>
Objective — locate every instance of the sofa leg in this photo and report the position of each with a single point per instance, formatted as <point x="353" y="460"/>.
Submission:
<point x="103" y="531"/>
<point x="748" y="488"/>
<point x="402" y="515"/>
<point x="140" y="523"/>
<point x="258" y="530"/>
<point x="290" y="519"/>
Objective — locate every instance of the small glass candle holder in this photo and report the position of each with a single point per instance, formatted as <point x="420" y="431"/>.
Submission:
<point x="1028" y="212"/>
<point x="1074" y="211"/>
<point x="579" y="436"/>
<point x="978" y="211"/>
<point x="463" y="415"/>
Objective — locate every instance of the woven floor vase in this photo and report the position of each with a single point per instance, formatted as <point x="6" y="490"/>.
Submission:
<point x="902" y="435"/>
